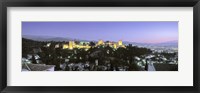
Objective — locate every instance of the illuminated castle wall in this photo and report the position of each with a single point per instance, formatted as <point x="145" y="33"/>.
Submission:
<point x="73" y="45"/>
<point x="111" y="44"/>
<point x="120" y="43"/>
<point x="65" y="46"/>
<point x="100" y="42"/>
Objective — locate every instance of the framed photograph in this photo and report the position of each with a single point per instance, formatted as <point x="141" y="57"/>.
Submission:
<point x="99" y="46"/>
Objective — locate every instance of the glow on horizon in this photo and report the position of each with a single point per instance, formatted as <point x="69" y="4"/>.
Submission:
<point x="141" y="32"/>
<point x="160" y="40"/>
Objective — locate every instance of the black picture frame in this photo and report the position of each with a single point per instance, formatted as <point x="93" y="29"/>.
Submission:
<point x="99" y="3"/>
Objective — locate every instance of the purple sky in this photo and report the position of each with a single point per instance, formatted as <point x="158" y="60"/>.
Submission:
<point x="142" y="32"/>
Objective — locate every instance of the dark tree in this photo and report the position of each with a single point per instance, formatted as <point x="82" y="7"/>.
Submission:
<point x="146" y="66"/>
<point x="92" y="43"/>
<point x="33" y="60"/>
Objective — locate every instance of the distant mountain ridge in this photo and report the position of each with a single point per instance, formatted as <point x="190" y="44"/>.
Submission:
<point x="169" y="43"/>
<point x="173" y="43"/>
<point x="52" y="38"/>
<point x="46" y="38"/>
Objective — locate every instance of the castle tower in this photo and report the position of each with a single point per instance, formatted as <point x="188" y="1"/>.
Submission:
<point x="100" y="42"/>
<point x="65" y="46"/>
<point x="115" y="46"/>
<point x="71" y="44"/>
<point x="120" y="43"/>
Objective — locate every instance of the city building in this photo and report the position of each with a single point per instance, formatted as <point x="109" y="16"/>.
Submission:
<point x="37" y="67"/>
<point x="57" y="46"/>
<point x="48" y="44"/>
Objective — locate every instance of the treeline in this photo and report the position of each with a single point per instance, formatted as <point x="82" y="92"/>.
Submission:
<point x="28" y="46"/>
<point x="120" y="57"/>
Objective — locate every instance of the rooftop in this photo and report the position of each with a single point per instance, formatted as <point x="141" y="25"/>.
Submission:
<point x="37" y="67"/>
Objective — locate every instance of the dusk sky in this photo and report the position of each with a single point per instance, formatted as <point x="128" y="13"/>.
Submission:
<point x="141" y="32"/>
